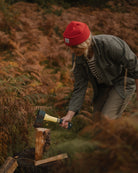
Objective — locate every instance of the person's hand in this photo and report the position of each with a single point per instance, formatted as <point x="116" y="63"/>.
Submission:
<point x="67" y="119"/>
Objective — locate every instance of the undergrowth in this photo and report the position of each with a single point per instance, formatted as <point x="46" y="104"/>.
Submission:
<point x="15" y="118"/>
<point x="109" y="147"/>
<point x="34" y="73"/>
<point x="9" y="17"/>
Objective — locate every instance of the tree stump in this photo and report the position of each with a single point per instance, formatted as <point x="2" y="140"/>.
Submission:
<point x="42" y="142"/>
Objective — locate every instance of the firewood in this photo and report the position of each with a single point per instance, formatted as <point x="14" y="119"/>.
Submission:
<point x="51" y="159"/>
<point x="9" y="166"/>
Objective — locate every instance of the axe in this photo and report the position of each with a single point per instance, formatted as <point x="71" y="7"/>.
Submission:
<point x="42" y="115"/>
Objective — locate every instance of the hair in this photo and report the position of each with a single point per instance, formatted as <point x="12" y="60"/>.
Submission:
<point x="84" y="45"/>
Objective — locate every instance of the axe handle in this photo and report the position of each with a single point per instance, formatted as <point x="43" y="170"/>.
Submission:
<point x="55" y="120"/>
<point x="69" y="124"/>
<point x="50" y="118"/>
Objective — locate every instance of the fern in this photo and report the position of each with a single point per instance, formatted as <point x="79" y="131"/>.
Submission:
<point x="10" y="17"/>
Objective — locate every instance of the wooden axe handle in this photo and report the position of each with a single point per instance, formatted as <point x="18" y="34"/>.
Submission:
<point x="41" y="115"/>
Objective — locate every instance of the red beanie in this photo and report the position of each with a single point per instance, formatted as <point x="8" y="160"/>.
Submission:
<point x="76" y="33"/>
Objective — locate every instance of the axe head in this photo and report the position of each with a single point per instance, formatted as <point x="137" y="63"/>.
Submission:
<point x="39" y="119"/>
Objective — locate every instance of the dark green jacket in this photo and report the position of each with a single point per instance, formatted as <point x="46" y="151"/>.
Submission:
<point x="113" y="57"/>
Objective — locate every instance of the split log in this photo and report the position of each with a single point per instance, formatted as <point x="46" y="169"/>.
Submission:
<point x="51" y="159"/>
<point x="9" y="166"/>
<point x="42" y="142"/>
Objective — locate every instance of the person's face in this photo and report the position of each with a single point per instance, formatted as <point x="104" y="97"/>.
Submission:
<point x="77" y="51"/>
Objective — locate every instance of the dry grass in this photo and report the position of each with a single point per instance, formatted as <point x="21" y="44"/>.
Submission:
<point x="35" y="71"/>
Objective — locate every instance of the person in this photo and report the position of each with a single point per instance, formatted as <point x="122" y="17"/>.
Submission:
<point x="108" y="63"/>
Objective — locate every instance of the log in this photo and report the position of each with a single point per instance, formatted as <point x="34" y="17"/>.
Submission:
<point x="42" y="141"/>
<point x="51" y="159"/>
<point x="9" y="166"/>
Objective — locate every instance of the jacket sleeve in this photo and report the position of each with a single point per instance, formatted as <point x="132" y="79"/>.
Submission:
<point x="122" y="54"/>
<point x="79" y="91"/>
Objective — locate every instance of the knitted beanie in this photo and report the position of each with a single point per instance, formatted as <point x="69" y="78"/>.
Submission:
<point x="76" y="33"/>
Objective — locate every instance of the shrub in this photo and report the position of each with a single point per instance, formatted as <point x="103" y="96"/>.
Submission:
<point x="15" y="120"/>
